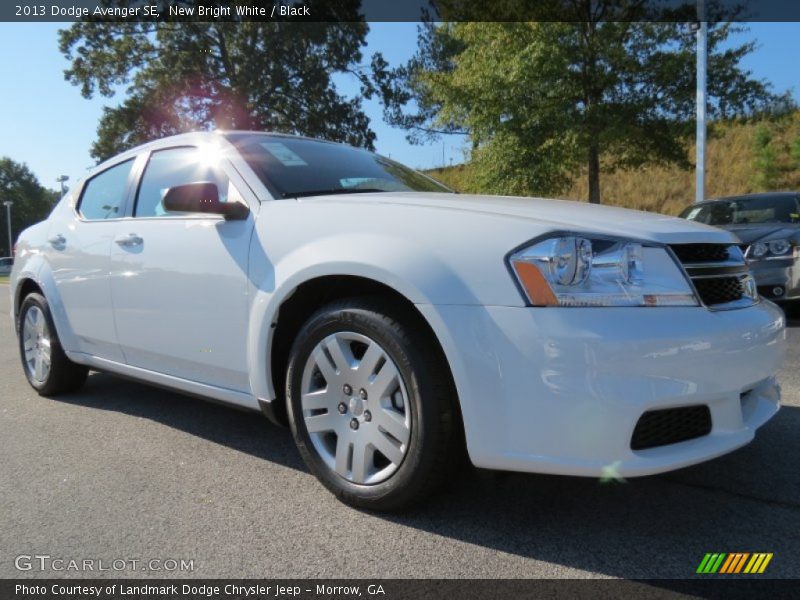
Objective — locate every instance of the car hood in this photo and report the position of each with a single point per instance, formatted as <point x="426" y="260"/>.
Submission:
<point x="566" y="215"/>
<point x="763" y="231"/>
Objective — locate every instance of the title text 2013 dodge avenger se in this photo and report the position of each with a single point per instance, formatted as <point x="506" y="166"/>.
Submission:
<point x="394" y="324"/>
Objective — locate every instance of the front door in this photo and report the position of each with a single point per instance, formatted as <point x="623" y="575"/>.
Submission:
<point x="179" y="281"/>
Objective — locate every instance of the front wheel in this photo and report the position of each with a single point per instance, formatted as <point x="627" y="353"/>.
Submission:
<point x="371" y="405"/>
<point x="47" y="368"/>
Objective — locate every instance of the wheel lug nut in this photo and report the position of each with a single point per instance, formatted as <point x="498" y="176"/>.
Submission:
<point x="354" y="424"/>
<point x="363" y="394"/>
<point x="342" y="408"/>
<point x="367" y="416"/>
<point x="347" y="389"/>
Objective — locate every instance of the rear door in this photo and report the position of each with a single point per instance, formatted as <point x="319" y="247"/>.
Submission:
<point x="78" y="250"/>
<point x="179" y="281"/>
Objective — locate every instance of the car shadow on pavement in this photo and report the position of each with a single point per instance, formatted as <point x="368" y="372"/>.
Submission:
<point x="241" y="430"/>
<point x="661" y="526"/>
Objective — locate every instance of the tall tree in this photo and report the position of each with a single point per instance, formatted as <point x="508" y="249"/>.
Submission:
<point x="32" y="201"/>
<point x="244" y="75"/>
<point x="543" y="100"/>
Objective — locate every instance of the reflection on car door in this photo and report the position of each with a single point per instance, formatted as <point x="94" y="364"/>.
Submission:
<point x="78" y="246"/>
<point x="179" y="281"/>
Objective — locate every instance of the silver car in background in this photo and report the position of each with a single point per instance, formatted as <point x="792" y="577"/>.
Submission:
<point x="768" y="225"/>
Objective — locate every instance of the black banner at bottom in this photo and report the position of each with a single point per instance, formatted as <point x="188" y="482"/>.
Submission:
<point x="389" y="589"/>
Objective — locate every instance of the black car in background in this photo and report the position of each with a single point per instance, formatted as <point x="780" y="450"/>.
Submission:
<point x="768" y="225"/>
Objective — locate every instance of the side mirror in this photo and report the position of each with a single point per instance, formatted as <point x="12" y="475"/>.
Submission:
<point x="202" y="197"/>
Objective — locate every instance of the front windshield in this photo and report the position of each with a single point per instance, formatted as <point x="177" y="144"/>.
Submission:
<point x="293" y="167"/>
<point x="742" y="211"/>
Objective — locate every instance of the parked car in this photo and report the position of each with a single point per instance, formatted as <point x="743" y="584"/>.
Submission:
<point x="768" y="226"/>
<point x="5" y="265"/>
<point x="393" y="324"/>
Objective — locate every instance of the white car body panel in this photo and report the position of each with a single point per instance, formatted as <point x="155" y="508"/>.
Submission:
<point x="560" y="390"/>
<point x="554" y="390"/>
<point x="184" y="271"/>
<point x="80" y="273"/>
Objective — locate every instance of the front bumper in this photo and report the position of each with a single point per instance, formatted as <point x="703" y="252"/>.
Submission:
<point x="777" y="279"/>
<point x="560" y="390"/>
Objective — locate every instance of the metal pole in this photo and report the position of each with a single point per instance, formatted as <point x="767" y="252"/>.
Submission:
<point x="8" y="204"/>
<point x="702" y="51"/>
<point x="61" y="179"/>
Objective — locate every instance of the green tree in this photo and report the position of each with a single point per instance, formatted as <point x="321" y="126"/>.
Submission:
<point x="231" y="75"/>
<point x="32" y="201"/>
<point x="794" y="151"/>
<point x="766" y="159"/>
<point x="539" y="101"/>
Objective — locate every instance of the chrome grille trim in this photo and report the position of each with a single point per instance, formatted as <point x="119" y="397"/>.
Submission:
<point x="705" y="263"/>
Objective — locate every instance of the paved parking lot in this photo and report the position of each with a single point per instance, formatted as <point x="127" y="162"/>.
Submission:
<point x="124" y="471"/>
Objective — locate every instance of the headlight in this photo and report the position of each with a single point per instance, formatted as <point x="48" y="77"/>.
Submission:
<point x="779" y="247"/>
<point x="772" y="249"/>
<point x="571" y="270"/>
<point x="759" y="249"/>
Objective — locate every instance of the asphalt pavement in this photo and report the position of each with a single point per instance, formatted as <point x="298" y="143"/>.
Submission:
<point x="123" y="471"/>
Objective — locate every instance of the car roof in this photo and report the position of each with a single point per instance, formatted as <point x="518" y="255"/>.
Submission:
<point x="187" y="138"/>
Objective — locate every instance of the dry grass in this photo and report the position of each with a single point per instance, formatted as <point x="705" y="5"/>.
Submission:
<point x="730" y="169"/>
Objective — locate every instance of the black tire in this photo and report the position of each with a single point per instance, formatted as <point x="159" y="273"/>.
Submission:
<point x="64" y="375"/>
<point x="791" y="309"/>
<point x="435" y="449"/>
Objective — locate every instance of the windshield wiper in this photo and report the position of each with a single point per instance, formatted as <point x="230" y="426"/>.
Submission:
<point x="331" y="191"/>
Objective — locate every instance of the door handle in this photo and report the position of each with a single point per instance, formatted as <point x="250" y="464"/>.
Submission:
<point x="128" y="240"/>
<point x="57" y="240"/>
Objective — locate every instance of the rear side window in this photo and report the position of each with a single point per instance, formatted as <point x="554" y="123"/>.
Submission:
<point x="172" y="167"/>
<point x="104" y="194"/>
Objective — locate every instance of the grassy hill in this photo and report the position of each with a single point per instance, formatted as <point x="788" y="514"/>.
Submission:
<point x="741" y="157"/>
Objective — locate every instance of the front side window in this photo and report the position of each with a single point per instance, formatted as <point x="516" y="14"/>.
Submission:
<point x="294" y="167"/>
<point x="104" y="194"/>
<point x="173" y="167"/>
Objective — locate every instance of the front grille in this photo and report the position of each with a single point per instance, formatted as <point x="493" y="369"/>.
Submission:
<point x="701" y="253"/>
<point x="717" y="271"/>
<point x="719" y="290"/>
<point x="670" y="426"/>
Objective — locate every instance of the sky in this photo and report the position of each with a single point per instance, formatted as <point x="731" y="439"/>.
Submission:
<point x="47" y="124"/>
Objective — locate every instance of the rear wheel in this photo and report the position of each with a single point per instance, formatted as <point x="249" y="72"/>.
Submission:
<point x="371" y="406"/>
<point x="47" y="368"/>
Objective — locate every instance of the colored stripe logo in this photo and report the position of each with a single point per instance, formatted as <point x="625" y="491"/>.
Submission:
<point x="734" y="563"/>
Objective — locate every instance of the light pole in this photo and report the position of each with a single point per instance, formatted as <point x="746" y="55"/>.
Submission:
<point x="61" y="179"/>
<point x="8" y="204"/>
<point x="702" y="50"/>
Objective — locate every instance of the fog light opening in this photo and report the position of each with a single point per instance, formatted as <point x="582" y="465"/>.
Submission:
<point x="777" y="291"/>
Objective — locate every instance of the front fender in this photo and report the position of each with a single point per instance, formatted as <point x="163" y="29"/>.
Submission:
<point x="393" y="262"/>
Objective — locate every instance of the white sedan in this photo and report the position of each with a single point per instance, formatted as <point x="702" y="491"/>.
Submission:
<point x="395" y="326"/>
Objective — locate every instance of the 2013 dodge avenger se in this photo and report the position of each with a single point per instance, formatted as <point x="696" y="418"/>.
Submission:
<point x="394" y="324"/>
